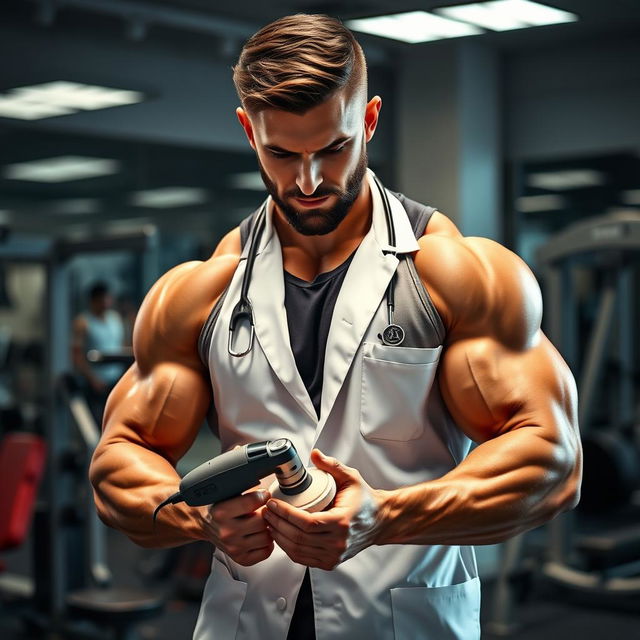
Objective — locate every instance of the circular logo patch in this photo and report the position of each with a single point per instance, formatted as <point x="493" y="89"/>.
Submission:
<point x="393" y="335"/>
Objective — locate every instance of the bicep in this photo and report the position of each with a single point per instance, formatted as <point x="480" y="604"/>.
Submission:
<point x="161" y="410"/>
<point x="491" y="389"/>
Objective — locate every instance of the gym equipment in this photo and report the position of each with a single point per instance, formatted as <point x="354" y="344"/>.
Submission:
<point x="603" y="565"/>
<point x="68" y="538"/>
<point x="235" y="471"/>
<point x="22" y="459"/>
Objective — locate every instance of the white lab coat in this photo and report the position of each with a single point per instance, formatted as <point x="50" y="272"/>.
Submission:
<point x="381" y="414"/>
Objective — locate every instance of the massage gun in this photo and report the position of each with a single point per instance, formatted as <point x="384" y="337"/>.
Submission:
<point x="235" y="471"/>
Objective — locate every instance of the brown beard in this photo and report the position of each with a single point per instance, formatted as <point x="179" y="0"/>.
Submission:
<point x="318" y="222"/>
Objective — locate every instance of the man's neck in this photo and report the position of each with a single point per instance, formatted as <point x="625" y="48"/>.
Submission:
<point x="310" y="255"/>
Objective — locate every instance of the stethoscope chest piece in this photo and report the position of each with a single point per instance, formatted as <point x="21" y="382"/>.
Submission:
<point x="393" y="335"/>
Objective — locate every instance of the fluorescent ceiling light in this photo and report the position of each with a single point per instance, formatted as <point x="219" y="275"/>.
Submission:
<point x="62" y="98"/>
<point x="250" y="181"/>
<point x="168" y="197"/>
<point x="413" y="27"/>
<point x="61" y="169"/>
<point x="14" y="107"/>
<point x="74" y="206"/>
<point x="570" y="179"/>
<point x="504" y="15"/>
<point x="531" y="204"/>
<point x="73" y="95"/>
<point x="632" y="196"/>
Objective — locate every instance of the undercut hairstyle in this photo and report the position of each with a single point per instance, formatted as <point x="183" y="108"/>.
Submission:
<point x="297" y="62"/>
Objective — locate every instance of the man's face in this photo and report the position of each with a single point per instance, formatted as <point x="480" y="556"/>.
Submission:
<point x="102" y="303"/>
<point x="313" y="164"/>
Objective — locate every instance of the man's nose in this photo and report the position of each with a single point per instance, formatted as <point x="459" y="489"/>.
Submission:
<point x="309" y="176"/>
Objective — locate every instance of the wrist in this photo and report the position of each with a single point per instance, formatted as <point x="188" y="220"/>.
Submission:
<point x="385" y="501"/>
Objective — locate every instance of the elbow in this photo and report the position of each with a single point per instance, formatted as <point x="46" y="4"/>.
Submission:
<point x="569" y="499"/>
<point x="567" y="495"/>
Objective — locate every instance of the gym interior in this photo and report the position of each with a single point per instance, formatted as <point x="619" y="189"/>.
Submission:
<point x="121" y="157"/>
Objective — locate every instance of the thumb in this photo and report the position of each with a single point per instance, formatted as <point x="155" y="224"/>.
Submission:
<point x="340" y="472"/>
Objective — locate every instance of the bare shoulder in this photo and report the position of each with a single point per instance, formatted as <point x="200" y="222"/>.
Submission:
<point x="440" y="224"/>
<point x="480" y="288"/>
<point x="176" y="307"/>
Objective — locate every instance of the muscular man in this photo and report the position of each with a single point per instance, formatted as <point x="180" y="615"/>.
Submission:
<point x="393" y="423"/>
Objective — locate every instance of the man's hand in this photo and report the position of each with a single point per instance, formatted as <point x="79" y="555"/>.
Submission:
<point x="236" y="526"/>
<point x="329" y="537"/>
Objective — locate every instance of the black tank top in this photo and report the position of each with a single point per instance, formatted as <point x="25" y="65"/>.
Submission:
<point x="309" y="307"/>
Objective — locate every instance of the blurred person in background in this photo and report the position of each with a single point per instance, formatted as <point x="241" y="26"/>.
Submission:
<point x="99" y="328"/>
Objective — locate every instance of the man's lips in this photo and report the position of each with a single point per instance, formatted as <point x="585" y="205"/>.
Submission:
<point x="311" y="202"/>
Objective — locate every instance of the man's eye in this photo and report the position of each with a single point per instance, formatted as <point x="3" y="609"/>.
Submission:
<point x="279" y="154"/>
<point x="336" y="149"/>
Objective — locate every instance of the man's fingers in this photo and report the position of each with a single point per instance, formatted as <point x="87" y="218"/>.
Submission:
<point x="255" y="555"/>
<point x="340" y="472"/>
<point x="294" y="535"/>
<point x="308" y="522"/>
<point x="296" y="550"/>
<point x="305" y="555"/>
<point x="240" y="505"/>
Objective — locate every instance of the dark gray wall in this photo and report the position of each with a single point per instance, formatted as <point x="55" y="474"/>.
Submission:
<point x="568" y="101"/>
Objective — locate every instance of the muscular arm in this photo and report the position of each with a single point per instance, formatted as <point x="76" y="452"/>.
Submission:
<point x="508" y="389"/>
<point x="154" y="413"/>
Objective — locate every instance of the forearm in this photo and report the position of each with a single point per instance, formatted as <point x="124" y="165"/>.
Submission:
<point x="82" y="365"/>
<point x="505" y="486"/>
<point x="129" y="482"/>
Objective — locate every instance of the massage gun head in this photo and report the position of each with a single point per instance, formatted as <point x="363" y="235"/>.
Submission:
<point x="293" y="477"/>
<point x="308" y="489"/>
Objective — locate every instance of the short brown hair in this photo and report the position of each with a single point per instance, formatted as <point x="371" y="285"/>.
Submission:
<point x="297" y="62"/>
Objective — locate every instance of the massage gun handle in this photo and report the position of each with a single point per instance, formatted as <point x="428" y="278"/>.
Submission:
<point x="233" y="472"/>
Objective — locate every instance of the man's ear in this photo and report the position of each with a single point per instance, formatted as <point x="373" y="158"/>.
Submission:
<point x="371" y="113"/>
<point x="243" y="118"/>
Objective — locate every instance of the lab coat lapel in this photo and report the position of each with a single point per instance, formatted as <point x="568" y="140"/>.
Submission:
<point x="362" y="291"/>
<point x="266" y="293"/>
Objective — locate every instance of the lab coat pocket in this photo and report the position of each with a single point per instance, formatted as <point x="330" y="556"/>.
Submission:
<point x="395" y="385"/>
<point x="221" y="604"/>
<point x="441" y="613"/>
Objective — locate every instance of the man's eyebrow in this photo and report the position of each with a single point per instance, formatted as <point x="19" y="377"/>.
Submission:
<point x="335" y="143"/>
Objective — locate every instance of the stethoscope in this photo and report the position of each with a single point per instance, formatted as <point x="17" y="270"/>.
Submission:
<point x="393" y="334"/>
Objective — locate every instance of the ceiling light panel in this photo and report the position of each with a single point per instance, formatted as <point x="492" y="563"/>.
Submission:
<point x="413" y="27"/>
<point x="72" y="95"/>
<point x="14" y="107"/>
<point x="61" y="169"/>
<point x="505" y="15"/>
<point x="61" y="98"/>
<point x="169" y="197"/>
